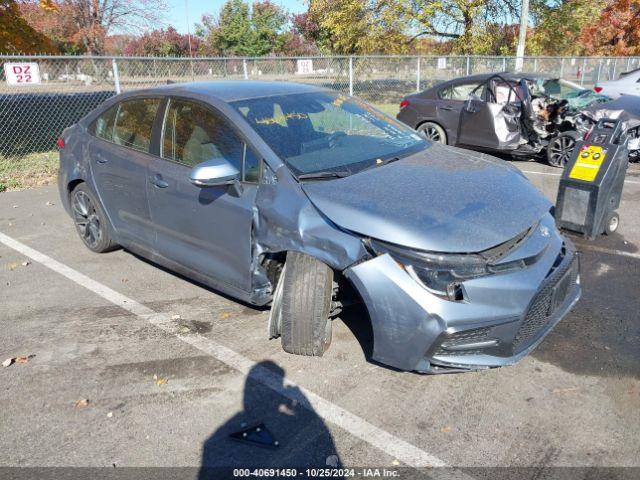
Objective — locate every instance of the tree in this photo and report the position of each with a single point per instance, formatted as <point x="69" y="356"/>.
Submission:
<point x="161" y="42"/>
<point x="352" y="26"/>
<point x="241" y="30"/>
<point x="17" y="36"/>
<point x="559" y="26"/>
<point x="615" y="31"/>
<point x="469" y="25"/>
<point x="54" y="21"/>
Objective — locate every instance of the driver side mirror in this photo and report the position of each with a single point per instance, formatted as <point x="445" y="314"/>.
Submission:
<point x="213" y="173"/>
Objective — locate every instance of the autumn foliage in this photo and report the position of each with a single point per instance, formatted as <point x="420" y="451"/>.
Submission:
<point x="350" y="27"/>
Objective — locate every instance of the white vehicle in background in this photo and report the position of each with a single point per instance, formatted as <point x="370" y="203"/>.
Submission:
<point x="627" y="84"/>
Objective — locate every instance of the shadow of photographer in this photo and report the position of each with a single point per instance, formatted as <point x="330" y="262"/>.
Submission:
<point x="292" y="434"/>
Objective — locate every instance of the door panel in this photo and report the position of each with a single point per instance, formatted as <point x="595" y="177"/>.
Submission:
<point x="489" y="125"/>
<point x="120" y="177"/>
<point x="207" y="230"/>
<point x="119" y="160"/>
<point x="448" y="116"/>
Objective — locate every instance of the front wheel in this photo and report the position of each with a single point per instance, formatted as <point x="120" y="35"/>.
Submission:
<point x="90" y="220"/>
<point x="303" y="300"/>
<point x="560" y="149"/>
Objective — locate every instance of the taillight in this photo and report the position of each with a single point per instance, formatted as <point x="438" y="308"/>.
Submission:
<point x="404" y="103"/>
<point x="597" y="89"/>
<point x="60" y="143"/>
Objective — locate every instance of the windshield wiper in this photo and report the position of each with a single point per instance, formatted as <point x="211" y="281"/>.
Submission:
<point x="324" y="175"/>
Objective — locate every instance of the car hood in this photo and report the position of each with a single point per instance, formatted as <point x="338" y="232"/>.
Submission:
<point x="442" y="199"/>
<point x="626" y="108"/>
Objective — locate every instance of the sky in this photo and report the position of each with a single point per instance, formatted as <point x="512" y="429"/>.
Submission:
<point x="176" y="14"/>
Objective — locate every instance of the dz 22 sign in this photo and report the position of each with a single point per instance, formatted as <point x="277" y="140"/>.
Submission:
<point x="26" y="73"/>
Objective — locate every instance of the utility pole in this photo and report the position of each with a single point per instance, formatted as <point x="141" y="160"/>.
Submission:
<point x="524" y="20"/>
<point x="186" y="12"/>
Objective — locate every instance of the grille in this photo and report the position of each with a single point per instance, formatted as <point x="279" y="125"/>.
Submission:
<point x="459" y="338"/>
<point x="546" y="302"/>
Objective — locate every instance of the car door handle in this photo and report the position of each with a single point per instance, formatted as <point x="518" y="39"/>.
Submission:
<point x="448" y="109"/>
<point x="159" y="182"/>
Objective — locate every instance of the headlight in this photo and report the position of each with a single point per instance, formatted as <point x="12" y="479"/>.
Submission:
<point x="441" y="273"/>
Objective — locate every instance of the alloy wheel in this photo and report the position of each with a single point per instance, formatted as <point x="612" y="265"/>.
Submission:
<point x="86" y="219"/>
<point x="432" y="133"/>
<point x="560" y="150"/>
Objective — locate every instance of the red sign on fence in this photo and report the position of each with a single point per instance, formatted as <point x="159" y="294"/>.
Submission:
<point x="26" y="73"/>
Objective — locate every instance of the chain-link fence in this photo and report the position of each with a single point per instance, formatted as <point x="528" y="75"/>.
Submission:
<point x="38" y="102"/>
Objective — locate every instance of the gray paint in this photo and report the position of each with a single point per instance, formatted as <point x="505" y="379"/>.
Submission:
<point x="439" y="200"/>
<point x="442" y="199"/>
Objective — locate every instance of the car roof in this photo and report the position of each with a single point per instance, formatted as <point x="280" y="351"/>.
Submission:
<point x="232" y="90"/>
<point x="481" y="77"/>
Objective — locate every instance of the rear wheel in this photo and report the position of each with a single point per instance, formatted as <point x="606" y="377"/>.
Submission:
<point x="434" y="132"/>
<point x="560" y="149"/>
<point x="90" y="220"/>
<point x="303" y="303"/>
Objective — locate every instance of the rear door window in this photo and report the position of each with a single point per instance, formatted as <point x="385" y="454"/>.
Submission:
<point x="460" y="91"/>
<point x="103" y="126"/>
<point x="134" y="123"/>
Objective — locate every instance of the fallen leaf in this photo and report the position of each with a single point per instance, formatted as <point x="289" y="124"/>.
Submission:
<point x="175" y="317"/>
<point x="13" y="266"/>
<point x="225" y="315"/>
<point x="184" y="329"/>
<point x="161" y="381"/>
<point x="446" y="429"/>
<point x="24" y="358"/>
<point x="48" y="204"/>
<point x="395" y="462"/>
<point x="83" y="402"/>
<point x="110" y="414"/>
<point x="19" y="359"/>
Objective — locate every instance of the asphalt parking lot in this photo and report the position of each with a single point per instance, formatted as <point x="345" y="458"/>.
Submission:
<point x="169" y="369"/>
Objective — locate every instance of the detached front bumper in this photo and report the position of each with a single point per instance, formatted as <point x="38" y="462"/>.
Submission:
<point x="504" y="317"/>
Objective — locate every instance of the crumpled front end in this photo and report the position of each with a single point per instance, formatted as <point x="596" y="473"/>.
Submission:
<point x="492" y="320"/>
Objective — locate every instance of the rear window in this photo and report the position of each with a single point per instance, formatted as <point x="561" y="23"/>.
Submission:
<point x="103" y="126"/>
<point x="460" y="91"/>
<point x="134" y="122"/>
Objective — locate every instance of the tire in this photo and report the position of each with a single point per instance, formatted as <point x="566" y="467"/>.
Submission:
<point x="560" y="148"/>
<point x="90" y="220"/>
<point x="612" y="223"/>
<point x="433" y="132"/>
<point x="307" y="289"/>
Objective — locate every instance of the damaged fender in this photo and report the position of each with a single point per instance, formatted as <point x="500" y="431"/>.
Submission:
<point x="300" y="227"/>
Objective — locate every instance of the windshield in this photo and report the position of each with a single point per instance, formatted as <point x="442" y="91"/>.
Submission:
<point x="576" y="96"/>
<point x="328" y="132"/>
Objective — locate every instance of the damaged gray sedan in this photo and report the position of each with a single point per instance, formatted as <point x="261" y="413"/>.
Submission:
<point x="308" y="199"/>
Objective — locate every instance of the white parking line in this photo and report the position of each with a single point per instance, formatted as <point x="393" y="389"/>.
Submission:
<point x="355" y="425"/>
<point x="559" y="174"/>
